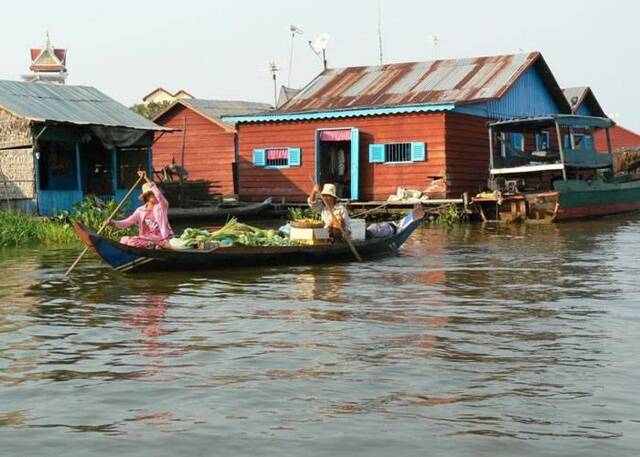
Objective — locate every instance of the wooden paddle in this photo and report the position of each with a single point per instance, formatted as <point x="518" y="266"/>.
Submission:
<point x="104" y="224"/>
<point x="337" y="223"/>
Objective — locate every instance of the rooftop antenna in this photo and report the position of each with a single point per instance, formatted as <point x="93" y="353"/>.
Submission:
<point x="274" y="69"/>
<point x="380" y="29"/>
<point x="319" y="47"/>
<point x="294" y="31"/>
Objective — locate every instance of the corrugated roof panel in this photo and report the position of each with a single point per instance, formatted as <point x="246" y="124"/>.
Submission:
<point x="218" y="108"/>
<point x="80" y="105"/>
<point x="410" y="79"/>
<point x="451" y="81"/>
<point x="362" y="83"/>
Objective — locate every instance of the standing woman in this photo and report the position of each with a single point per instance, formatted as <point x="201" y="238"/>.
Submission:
<point x="152" y="218"/>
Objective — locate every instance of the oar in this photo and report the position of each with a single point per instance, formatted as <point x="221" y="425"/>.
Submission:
<point x="104" y="224"/>
<point x="345" y="234"/>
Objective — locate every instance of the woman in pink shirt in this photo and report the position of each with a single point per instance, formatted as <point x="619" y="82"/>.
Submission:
<point x="152" y="219"/>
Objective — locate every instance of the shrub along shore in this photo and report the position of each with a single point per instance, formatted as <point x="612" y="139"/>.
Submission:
<point x="20" y="229"/>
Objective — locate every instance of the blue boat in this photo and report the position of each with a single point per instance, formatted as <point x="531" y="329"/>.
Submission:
<point x="130" y="259"/>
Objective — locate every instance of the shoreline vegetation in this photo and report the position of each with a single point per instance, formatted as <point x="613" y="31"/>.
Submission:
<point x="22" y="229"/>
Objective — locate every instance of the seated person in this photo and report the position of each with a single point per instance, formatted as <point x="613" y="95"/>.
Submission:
<point x="341" y="214"/>
<point x="153" y="223"/>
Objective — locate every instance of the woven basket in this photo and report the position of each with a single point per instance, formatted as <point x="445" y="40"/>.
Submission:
<point x="306" y="223"/>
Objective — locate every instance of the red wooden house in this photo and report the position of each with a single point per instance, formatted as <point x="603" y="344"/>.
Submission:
<point x="201" y="142"/>
<point x="373" y="129"/>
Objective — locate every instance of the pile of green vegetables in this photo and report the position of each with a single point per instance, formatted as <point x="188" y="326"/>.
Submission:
<point x="235" y="233"/>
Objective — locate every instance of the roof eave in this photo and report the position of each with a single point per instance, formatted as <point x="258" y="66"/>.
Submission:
<point x="332" y="114"/>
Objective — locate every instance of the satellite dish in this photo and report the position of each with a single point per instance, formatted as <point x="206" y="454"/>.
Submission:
<point x="320" y="43"/>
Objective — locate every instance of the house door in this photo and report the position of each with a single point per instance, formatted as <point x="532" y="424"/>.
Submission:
<point x="99" y="165"/>
<point x="337" y="159"/>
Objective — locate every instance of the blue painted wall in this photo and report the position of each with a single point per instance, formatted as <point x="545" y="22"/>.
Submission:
<point x="584" y="111"/>
<point x="51" y="202"/>
<point x="529" y="96"/>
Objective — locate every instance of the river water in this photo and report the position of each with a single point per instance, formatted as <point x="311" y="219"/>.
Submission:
<point x="476" y="340"/>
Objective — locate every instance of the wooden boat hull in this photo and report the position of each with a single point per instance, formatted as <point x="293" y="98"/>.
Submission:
<point x="221" y="212"/>
<point x="130" y="259"/>
<point x="572" y="199"/>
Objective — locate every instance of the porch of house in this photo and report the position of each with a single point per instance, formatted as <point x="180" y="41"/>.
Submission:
<point x="68" y="170"/>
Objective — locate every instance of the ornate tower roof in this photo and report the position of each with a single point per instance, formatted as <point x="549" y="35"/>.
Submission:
<point x="48" y="63"/>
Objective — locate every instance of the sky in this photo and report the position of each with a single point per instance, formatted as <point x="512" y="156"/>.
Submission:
<point x="221" y="49"/>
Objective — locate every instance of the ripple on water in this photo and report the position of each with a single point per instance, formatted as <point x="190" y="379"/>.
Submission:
<point x="477" y="340"/>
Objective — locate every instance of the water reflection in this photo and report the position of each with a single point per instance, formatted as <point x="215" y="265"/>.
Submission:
<point x="523" y="334"/>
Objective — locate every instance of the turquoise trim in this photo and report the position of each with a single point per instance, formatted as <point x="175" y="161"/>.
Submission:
<point x="376" y="153"/>
<point x="418" y="152"/>
<point x="355" y="164"/>
<point x="294" y="157"/>
<point x="358" y="112"/>
<point x="259" y="158"/>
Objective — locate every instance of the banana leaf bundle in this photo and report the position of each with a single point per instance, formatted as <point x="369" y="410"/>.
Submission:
<point x="235" y="233"/>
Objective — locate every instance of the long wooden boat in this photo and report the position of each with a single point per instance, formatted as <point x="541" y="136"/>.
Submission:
<point x="546" y="169"/>
<point x="220" y="212"/>
<point x="130" y="259"/>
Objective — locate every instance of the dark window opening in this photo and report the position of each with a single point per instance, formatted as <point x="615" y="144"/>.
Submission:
<point x="397" y="152"/>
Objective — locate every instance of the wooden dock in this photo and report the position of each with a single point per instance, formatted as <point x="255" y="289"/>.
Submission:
<point x="384" y="209"/>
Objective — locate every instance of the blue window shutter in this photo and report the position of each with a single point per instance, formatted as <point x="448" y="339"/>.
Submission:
<point x="294" y="157"/>
<point x="418" y="152"/>
<point x="376" y="153"/>
<point x="259" y="158"/>
<point x="539" y="141"/>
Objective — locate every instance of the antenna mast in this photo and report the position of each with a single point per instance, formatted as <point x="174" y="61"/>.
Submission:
<point x="294" y="31"/>
<point x="274" y="69"/>
<point x="380" y="29"/>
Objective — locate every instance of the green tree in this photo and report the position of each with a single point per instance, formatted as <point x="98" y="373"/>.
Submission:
<point x="150" y="110"/>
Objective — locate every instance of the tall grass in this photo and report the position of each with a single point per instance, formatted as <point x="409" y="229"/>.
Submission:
<point x="20" y="229"/>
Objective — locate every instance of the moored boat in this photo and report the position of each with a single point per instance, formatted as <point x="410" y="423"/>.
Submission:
<point x="221" y="211"/>
<point x="546" y="169"/>
<point x="130" y="259"/>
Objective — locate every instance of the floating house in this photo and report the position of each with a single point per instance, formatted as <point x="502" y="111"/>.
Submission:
<point x="59" y="143"/>
<point x="373" y="129"/>
<point x="584" y="102"/>
<point x="201" y="142"/>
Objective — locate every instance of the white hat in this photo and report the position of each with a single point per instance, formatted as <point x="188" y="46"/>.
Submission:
<point x="329" y="189"/>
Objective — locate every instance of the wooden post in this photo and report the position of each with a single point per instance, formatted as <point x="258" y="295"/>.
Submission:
<point x="491" y="159"/>
<point x="78" y="168"/>
<point x="608" y="140"/>
<point x="561" y="149"/>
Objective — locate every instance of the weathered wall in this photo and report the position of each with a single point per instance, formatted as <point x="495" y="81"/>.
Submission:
<point x="17" y="175"/>
<point x="467" y="153"/>
<point x="209" y="150"/>
<point x="14" y="131"/>
<point x="377" y="180"/>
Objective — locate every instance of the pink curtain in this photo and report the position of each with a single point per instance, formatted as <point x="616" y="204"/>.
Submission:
<point x="335" y="135"/>
<point x="276" y="154"/>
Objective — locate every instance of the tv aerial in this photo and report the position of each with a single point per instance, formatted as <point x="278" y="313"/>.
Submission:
<point x="295" y="30"/>
<point x="273" y="68"/>
<point x="319" y="47"/>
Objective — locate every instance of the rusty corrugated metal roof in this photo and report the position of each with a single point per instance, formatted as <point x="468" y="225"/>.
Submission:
<point x="458" y="81"/>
